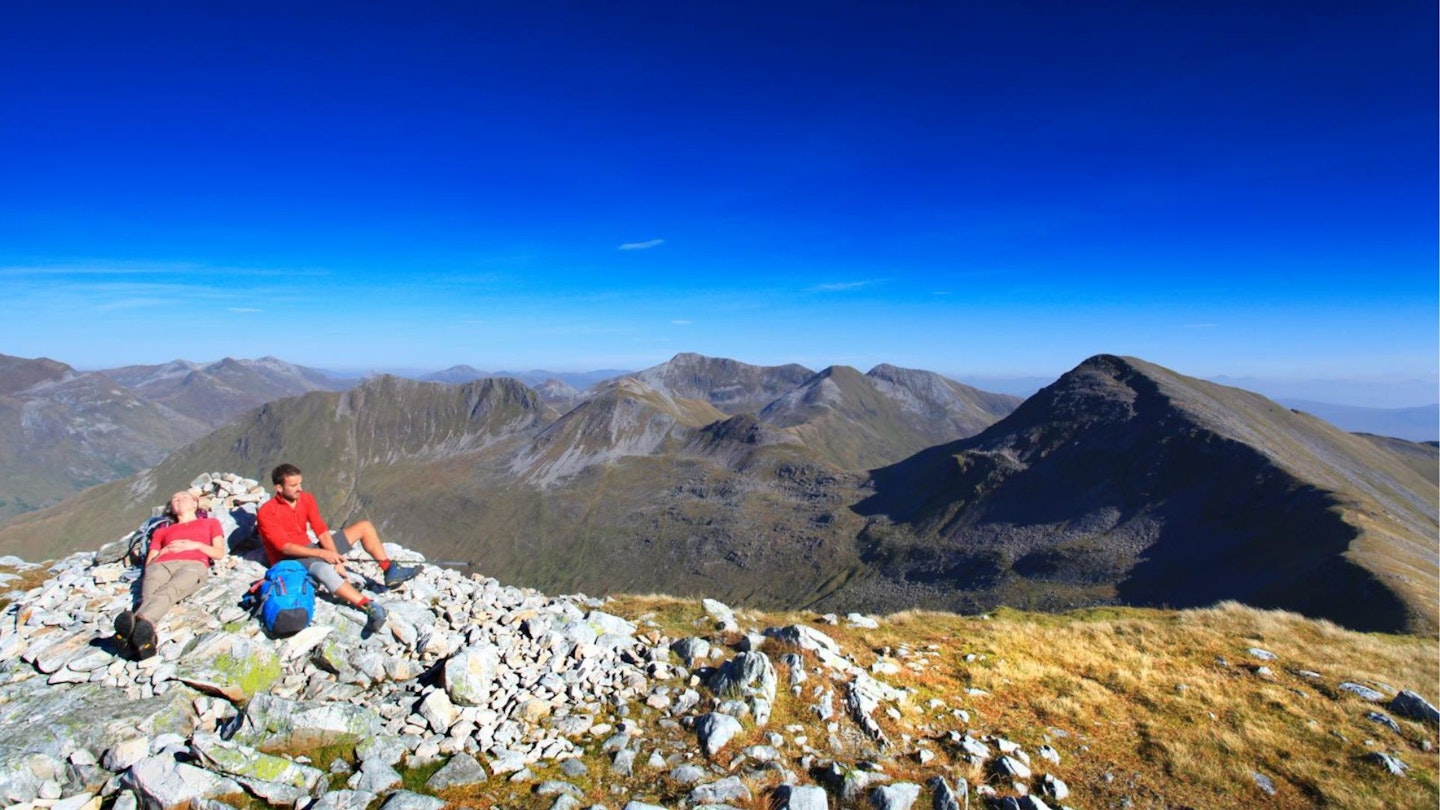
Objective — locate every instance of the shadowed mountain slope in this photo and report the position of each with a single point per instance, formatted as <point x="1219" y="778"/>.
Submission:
<point x="1126" y="481"/>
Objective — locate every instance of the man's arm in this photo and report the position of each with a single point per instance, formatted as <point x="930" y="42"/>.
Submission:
<point x="329" y="554"/>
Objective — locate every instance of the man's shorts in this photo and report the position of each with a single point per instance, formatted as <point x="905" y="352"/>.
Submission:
<point x="324" y="572"/>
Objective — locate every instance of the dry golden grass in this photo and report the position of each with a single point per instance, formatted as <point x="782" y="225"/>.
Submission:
<point x="1163" y="708"/>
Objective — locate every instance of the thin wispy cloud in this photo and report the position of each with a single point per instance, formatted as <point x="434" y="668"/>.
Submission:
<point x="98" y="269"/>
<point x="680" y="322"/>
<point x="245" y="309"/>
<point x="132" y="303"/>
<point x="188" y="270"/>
<point x="646" y="245"/>
<point x="840" y="286"/>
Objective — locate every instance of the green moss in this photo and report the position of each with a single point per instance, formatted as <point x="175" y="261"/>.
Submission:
<point x="253" y="676"/>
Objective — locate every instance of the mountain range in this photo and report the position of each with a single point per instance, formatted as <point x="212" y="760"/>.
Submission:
<point x="1121" y="482"/>
<point x="62" y="430"/>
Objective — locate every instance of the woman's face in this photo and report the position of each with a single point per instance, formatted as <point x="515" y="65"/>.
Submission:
<point x="182" y="502"/>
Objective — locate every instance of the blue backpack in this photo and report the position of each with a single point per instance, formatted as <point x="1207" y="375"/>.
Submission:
<point x="284" y="599"/>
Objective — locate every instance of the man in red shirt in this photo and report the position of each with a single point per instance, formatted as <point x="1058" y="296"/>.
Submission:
<point x="283" y="521"/>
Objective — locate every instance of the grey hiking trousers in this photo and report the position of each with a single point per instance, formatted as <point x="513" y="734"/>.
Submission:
<point x="164" y="584"/>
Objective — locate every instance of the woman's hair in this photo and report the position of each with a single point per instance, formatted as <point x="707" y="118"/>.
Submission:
<point x="170" y="509"/>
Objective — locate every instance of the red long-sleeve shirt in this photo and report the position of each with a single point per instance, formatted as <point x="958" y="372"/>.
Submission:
<point x="281" y="524"/>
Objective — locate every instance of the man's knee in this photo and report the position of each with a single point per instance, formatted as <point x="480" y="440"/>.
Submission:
<point x="359" y="530"/>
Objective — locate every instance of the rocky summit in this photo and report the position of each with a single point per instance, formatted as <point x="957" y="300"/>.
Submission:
<point x="490" y="680"/>
<point x="475" y="693"/>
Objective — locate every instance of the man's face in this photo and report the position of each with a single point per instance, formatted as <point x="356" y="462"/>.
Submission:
<point x="289" y="489"/>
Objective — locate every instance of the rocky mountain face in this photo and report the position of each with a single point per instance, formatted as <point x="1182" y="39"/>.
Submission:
<point x="62" y="431"/>
<point x="865" y="421"/>
<point x="20" y="373"/>
<point x="729" y="385"/>
<point x="1121" y="483"/>
<point x="215" y="393"/>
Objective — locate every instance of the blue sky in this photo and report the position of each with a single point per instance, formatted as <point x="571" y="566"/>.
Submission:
<point x="995" y="188"/>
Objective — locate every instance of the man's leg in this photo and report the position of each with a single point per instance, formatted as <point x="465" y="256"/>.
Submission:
<point x="327" y="576"/>
<point x="364" y="534"/>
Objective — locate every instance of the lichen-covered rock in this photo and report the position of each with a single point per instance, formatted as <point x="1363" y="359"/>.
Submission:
<point x="276" y="723"/>
<point x="470" y="675"/>
<point x="344" y="800"/>
<point x="230" y="665"/>
<point x="38" y="720"/>
<point x="801" y="797"/>
<point x="234" y="759"/>
<point x="407" y="800"/>
<point x="1362" y="691"/>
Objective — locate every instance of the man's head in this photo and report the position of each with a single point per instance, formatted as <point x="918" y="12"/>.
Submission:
<point x="287" y="481"/>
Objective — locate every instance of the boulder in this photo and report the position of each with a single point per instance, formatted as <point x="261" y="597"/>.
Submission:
<point x="470" y="675"/>
<point x="164" y="783"/>
<point x="1410" y="705"/>
<point x="801" y="797"/>
<point x="725" y="791"/>
<point x="236" y="760"/>
<point x="37" y="720"/>
<point x="277" y="723"/>
<point x="231" y="666"/>
<point x="716" y="730"/>
<point x="899" y="796"/>
<point x="461" y="771"/>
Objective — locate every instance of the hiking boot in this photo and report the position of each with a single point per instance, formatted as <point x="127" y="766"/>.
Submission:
<point x="398" y="573"/>
<point x="374" y="619"/>
<point x="124" y="629"/>
<point x="143" y="639"/>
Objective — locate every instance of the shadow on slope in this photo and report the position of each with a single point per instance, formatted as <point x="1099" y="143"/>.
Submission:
<point x="1120" y="483"/>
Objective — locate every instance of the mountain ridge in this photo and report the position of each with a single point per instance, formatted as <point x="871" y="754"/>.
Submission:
<point x="1147" y="480"/>
<point x="1106" y="487"/>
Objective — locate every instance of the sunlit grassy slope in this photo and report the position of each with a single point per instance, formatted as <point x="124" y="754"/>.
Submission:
<point x="1147" y="708"/>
